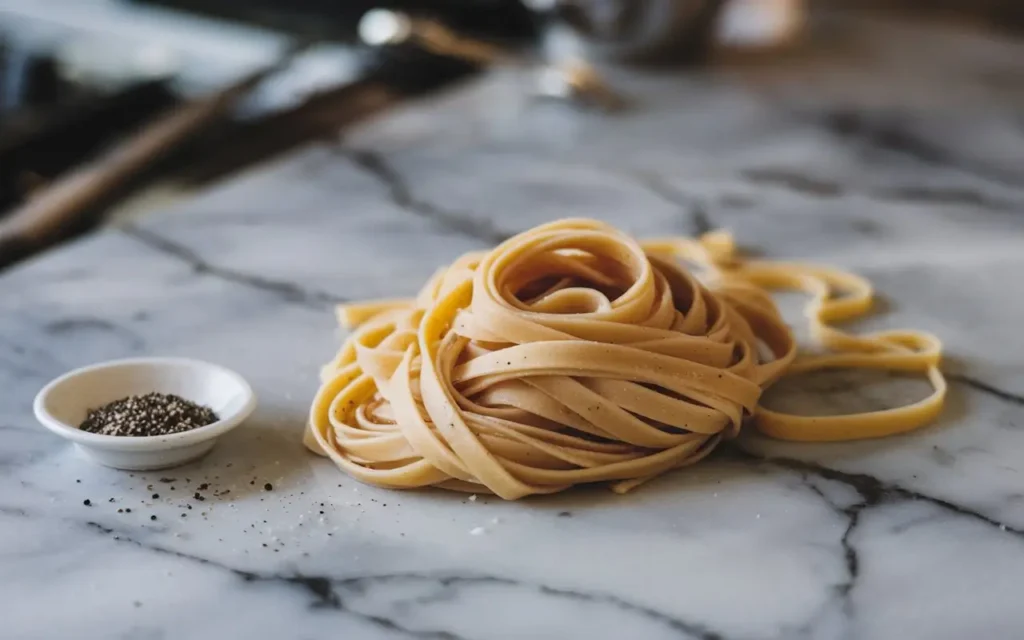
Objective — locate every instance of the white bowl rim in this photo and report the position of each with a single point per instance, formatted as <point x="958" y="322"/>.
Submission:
<point x="147" y="443"/>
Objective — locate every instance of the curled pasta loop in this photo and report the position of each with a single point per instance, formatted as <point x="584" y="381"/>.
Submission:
<point x="572" y="353"/>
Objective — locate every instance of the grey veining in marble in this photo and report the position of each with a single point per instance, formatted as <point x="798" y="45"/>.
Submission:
<point x="896" y="151"/>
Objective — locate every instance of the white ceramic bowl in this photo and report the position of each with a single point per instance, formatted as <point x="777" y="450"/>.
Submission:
<point x="63" y="404"/>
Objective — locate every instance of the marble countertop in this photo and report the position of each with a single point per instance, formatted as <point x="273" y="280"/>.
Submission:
<point x="895" y="151"/>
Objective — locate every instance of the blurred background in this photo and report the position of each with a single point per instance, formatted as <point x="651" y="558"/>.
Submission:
<point x="109" y="108"/>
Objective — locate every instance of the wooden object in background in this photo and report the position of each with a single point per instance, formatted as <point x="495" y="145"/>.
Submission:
<point x="62" y="209"/>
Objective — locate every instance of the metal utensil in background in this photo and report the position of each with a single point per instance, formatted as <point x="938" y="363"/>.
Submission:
<point x="572" y="79"/>
<point x="663" y="31"/>
<point x="406" y="56"/>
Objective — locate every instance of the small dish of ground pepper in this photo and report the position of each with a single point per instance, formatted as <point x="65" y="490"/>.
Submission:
<point x="145" y="413"/>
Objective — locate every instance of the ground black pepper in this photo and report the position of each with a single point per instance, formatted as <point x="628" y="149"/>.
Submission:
<point x="153" y="414"/>
<point x="268" y="487"/>
<point x="87" y="503"/>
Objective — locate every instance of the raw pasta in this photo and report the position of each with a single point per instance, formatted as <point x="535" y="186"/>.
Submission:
<point x="572" y="353"/>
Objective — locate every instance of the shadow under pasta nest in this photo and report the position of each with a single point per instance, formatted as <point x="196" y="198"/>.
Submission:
<point x="751" y="455"/>
<point x="827" y="392"/>
<point x="711" y="475"/>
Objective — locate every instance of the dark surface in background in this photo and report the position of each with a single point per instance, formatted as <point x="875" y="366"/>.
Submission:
<point x="339" y="18"/>
<point x="510" y="16"/>
<point x="997" y="14"/>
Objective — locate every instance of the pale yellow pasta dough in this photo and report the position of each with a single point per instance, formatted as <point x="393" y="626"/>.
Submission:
<point x="572" y="353"/>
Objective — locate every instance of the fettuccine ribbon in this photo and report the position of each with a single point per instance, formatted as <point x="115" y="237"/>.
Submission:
<point x="572" y="353"/>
